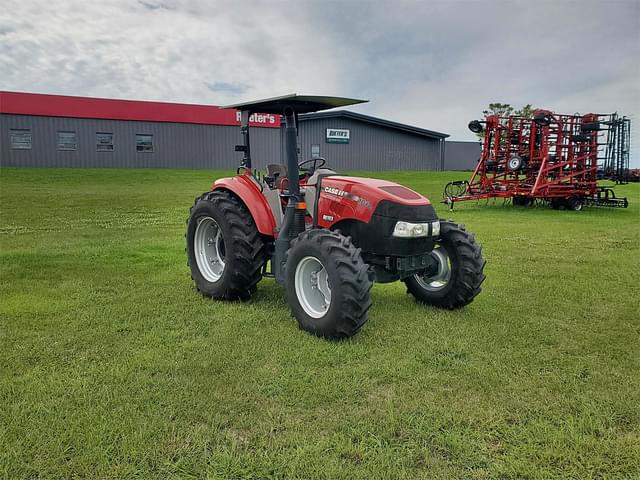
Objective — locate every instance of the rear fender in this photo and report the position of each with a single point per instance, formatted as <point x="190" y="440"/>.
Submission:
<point x="246" y="189"/>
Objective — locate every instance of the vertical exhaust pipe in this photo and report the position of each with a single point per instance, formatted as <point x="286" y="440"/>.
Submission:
<point x="293" y="224"/>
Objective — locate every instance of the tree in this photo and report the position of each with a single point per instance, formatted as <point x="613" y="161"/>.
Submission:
<point x="526" y="111"/>
<point x="500" y="109"/>
<point x="504" y="110"/>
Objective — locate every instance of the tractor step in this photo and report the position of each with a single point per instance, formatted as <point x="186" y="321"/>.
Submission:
<point x="266" y="273"/>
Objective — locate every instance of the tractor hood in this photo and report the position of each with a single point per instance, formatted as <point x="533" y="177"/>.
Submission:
<point x="341" y="197"/>
<point x="372" y="190"/>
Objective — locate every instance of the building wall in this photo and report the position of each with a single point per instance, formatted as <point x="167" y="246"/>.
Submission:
<point x="371" y="147"/>
<point x="461" y="155"/>
<point x="176" y="145"/>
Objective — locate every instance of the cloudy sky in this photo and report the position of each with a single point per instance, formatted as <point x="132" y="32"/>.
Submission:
<point x="434" y="64"/>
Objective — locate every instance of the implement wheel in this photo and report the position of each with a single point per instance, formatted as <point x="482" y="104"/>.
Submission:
<point x="556" y="203"/>
<point x="327" y="284"/>
<point x="575" y="203"/>
<point x="519" y="201"/>
<point x="515" y="163"/>
<point x="460" y="270"/>
<point x="224" y="249"/>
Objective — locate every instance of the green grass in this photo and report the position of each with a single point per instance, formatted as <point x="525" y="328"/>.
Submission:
<point x="111" y="366"/>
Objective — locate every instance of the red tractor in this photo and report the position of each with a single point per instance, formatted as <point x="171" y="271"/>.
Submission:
<point x="326" y="237"/>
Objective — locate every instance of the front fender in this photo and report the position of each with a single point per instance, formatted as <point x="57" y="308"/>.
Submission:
<point x="249" y="193"/>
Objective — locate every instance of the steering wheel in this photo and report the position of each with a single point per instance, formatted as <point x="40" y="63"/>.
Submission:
<point x="317" y="163"/>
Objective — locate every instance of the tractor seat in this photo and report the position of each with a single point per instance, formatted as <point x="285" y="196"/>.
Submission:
<point x="275" y="173"/>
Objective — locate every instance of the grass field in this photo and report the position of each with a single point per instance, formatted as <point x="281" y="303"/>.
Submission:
<point x="111" y="366"/>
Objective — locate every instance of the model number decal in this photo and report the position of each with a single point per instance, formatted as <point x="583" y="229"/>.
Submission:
<point x="341" y="193"/>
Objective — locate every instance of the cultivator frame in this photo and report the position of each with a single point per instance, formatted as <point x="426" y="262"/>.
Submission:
<point x="552" y="157"/>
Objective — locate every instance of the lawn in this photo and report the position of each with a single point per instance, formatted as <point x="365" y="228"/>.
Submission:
<point x="111" y="366"/>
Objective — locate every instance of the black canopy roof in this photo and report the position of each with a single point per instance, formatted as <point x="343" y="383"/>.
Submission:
<point x="299" y="103"/>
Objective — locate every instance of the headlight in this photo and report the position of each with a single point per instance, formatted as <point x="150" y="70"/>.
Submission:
<point x="414" y="230"/>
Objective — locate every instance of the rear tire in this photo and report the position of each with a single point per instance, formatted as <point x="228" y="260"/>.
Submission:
<point x="224" y="249"/>
<point x="460" y="273"/>
<point x="327" y="284"/>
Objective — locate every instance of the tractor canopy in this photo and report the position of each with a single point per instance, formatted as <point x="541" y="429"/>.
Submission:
<point x="289" y="106"/>
<point x="298" y="103"/>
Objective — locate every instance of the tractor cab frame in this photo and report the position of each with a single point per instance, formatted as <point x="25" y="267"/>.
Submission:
<point x="289" y="106"/>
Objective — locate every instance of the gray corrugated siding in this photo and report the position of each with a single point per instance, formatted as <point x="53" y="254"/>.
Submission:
<point x="176" y="145"/>
<point x="461" y="155"/>
<point x="372" y="147"/>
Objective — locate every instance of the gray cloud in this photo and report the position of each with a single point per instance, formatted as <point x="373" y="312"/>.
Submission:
<point x="432" y="64"/>
<point x="232" y="88"/>
<point x="155" y="6"/>
<point x="6" y="30"/>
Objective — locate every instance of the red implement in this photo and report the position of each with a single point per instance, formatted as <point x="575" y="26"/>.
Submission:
<point x="551" y="157"/>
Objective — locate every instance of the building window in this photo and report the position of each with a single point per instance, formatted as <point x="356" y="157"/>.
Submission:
<point x="20" y="139"/>
<point x="144" y="143"/>
<point x="315" y="151"/>
<point x="104" y="142"/>
<point x="67" y="141"/>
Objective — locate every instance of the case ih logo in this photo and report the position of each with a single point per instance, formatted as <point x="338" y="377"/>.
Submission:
<point x="263" y="119"/>
<point x="335" y="191"/>
<point x="341" y="193"/>
<point x="338" y="135"/>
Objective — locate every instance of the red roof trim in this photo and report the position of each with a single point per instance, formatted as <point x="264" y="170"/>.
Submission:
<point x="109" y="109"/>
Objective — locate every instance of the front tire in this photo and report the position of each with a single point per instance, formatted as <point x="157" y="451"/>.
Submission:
<point x="460" y="270"/>
<point x="327" y="284"/>
<point x="224" y="249"/>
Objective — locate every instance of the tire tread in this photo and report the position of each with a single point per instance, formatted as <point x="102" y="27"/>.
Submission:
<point x="353" y="278"/>
<point x="470" y="274"/>
<point x="249" y="247"/>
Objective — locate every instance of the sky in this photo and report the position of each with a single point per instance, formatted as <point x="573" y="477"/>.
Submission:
<point x="432" y="64"/>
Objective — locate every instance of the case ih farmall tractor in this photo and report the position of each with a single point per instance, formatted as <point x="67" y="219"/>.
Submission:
<point x="325" y="236"/>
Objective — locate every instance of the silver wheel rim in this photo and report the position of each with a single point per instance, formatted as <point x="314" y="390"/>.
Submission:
<point x="312" y="287"/>
<point x="209" y="248"/>
<point x="441" y="278"/>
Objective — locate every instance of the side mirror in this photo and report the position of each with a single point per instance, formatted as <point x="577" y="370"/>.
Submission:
<point x="476" y="126"/>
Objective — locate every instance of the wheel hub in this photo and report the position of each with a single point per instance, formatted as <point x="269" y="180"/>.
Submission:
<point x="441" y="278"/>
<point x="313" y="290"/>
<point x="209" y="249"/>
